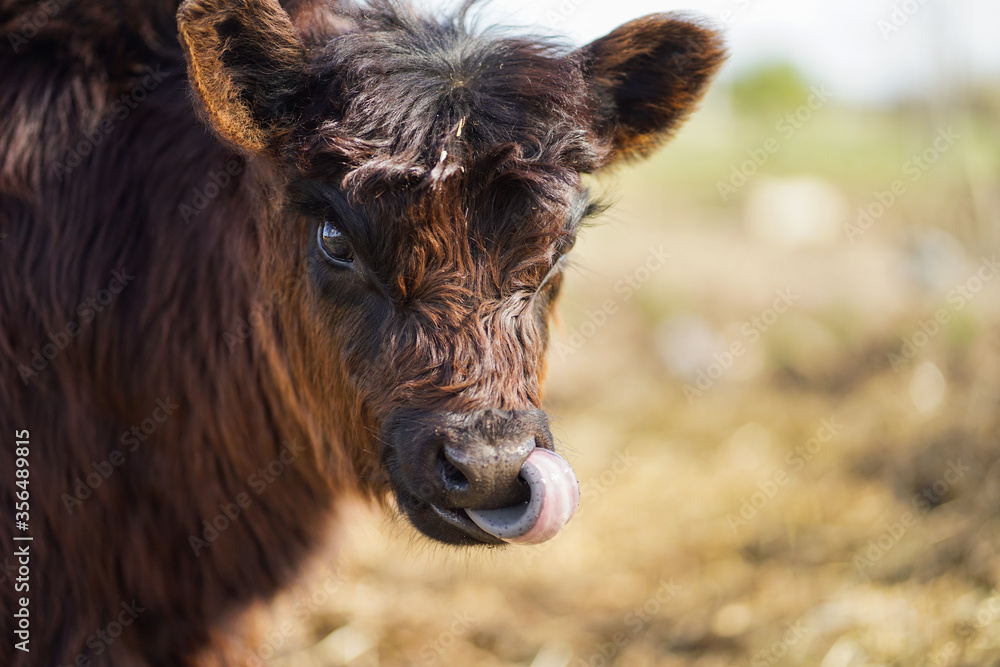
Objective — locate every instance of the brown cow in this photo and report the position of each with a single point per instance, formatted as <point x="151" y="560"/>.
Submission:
<point x="210" y="336"/>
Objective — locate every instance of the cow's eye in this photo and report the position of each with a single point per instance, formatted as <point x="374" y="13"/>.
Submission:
<point x="335" y="245"/>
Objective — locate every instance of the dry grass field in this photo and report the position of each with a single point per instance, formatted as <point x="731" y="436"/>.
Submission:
<point x="783" y="414"/>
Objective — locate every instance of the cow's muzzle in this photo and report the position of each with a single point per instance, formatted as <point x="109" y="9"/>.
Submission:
<point x="483" y="477"/>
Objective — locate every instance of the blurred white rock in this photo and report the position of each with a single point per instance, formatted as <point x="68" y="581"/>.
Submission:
<point x="795" y="212"/>
<point x="553" y="654"/>
<point x="732" y="620"/>
<point x="928" y="387"/>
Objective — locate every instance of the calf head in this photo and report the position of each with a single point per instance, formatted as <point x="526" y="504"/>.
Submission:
<point x="428" y="180"/>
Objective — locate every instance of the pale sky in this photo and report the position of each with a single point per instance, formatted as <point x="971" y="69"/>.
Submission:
<point x="840" y="43"/>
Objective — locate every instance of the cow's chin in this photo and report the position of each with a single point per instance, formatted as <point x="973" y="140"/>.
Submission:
<point x="444" y="524"/>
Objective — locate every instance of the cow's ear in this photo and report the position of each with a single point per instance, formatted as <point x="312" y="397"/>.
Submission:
<point x="246" y="65"/>
<point x="647" y="76"/>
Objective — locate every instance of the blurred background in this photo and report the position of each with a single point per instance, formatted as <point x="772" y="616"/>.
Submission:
<point x="777" y="376"/>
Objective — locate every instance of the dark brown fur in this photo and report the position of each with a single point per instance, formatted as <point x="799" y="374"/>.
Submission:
<point x="450" y="158"/>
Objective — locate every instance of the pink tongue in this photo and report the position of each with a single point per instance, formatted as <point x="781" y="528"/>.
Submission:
<point x="555" y="495"/>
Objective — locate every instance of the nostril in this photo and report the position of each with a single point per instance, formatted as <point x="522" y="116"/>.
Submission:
<point x="479" y="475"/>
<point x="454" y="480"/>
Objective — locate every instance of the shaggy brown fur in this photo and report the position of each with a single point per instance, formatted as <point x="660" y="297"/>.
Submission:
<point x="146" y="264"/>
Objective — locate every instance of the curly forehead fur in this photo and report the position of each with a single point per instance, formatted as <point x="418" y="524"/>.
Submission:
<point x="464" y="145"/>
<point x="412" y="98"/>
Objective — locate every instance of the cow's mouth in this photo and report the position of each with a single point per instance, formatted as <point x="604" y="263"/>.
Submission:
<point x="450" y="525"/>
<point x="551" y="500"/>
